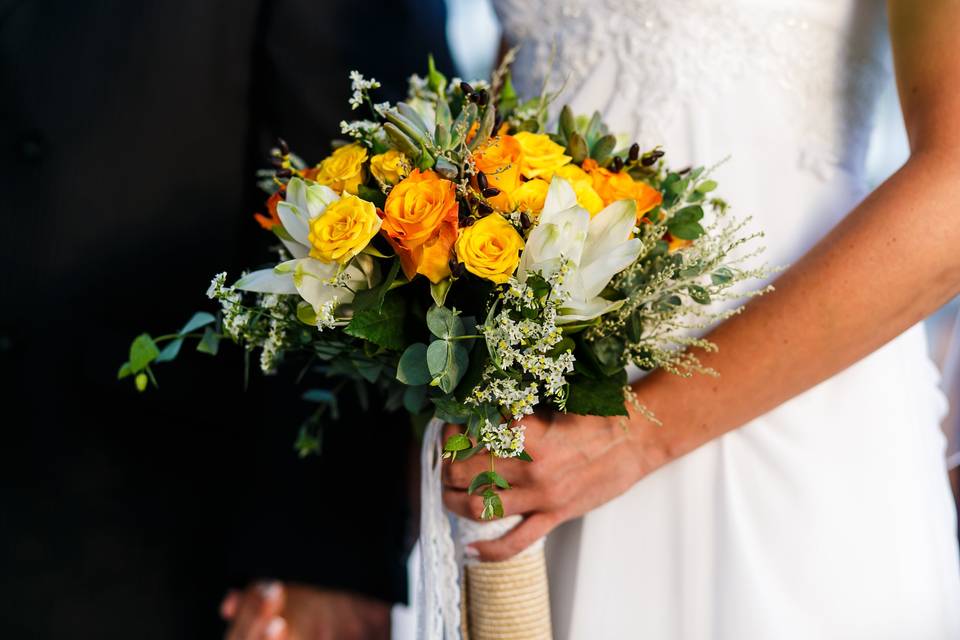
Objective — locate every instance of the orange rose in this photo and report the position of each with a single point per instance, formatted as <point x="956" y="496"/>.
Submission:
<point x="499" y="159"/>
<point x="612" y="186"/>
<point x="420" y="222"/>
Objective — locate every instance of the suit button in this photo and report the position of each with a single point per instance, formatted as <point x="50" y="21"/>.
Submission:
<point x="30" y="147"/>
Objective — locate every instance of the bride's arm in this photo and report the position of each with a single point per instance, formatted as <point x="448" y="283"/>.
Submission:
<point x="892" y="261"/>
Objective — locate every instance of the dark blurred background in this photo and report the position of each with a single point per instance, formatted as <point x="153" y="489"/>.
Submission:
<point x="130" y="135"/>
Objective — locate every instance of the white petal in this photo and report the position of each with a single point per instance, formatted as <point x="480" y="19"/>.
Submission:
<point x="563" y="235"/>
<point x="560" y="196"/>
<point x="312" y="277"/>
<point x="296" y="249"/>
<point x="297" y="194"/>
<point x="576" y="311"/>
<point x="610" y="228"/>
<point x="267" y="281"/>
<point x="318" y="198"/>
<point x="595" y="276"/>
<point x="294" y="222"/>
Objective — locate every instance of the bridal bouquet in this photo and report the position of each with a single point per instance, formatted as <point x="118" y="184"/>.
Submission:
<point x="475" y="262"/>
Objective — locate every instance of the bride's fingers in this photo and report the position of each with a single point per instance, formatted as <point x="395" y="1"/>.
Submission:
<point x="515" y="501"/>
<point x="513" y="542"/>
<point x="458" y="474"/>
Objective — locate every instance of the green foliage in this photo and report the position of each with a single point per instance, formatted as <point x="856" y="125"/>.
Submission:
<point x="412" y="368"/>
<point x="452" y="411"/>
<point x="488" y="478"/>
<point x="598" y="396"/>
<point x="447" y="362"/>
<point x="384" y="326"/>
<point x="685" y="223"/>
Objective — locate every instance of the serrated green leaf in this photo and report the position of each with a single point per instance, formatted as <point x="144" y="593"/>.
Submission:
<point x="452" y="411"/>
<point x="457" y="442"/>
<point x="412" y="368"/>
<point x="383" y="327"/>
<point x="598" y="396"/>
<point x="143" y="351"/>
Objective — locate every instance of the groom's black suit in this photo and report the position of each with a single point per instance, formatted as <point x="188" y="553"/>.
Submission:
<point x="130" y="133"/>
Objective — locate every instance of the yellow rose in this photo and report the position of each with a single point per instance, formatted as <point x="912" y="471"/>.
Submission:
<point x="490" y="248"/>
<point x="499" y="159"/>
<point x="420" y="222"/>
<point x="343" y="230"/>
<point x="390" y="167"/>
<point x="618" y="185"/>
<point x="342" y="170"/>
<point x="530" y="196"/>
<point x="541" y="155"/>
<point x="582" y="185"/>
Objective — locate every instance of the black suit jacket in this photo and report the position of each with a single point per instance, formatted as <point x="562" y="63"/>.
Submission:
<point x="129" y="134"/>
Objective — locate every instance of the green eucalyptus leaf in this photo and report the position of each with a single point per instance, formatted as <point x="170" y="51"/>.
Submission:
<point x="199" y="319"/>
<point x="415" y="399"/>
<point x="706" y="186"/>
<point x="412" y="368"/>
<point x="143" y="351"/>
<point x="210" y="342"/>
<point x="170" y="351"/>
<point x="443" y="322"/>
<point x="722" y="275"/>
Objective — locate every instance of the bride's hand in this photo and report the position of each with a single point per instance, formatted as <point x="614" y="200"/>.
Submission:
<point x="580" y="463"/>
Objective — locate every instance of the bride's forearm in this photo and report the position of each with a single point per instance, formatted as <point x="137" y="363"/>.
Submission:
<point x="893" y="261"/>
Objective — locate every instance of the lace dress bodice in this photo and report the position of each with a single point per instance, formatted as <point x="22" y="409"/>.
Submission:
<point x="651" y="65"/>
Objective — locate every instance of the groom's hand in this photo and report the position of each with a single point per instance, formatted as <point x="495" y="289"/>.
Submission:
<point x="276" y="611"/>
<point x="579" y="463"/>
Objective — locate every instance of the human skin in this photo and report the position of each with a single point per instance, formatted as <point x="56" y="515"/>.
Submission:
<point x="841" y="301"/>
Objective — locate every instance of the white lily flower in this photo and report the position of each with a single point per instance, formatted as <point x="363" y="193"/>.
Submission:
<point x="594" y="249"/>
<point x="324" y="285"/>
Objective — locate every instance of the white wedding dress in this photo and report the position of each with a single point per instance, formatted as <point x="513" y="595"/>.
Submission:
<point x="829" y="517"/>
